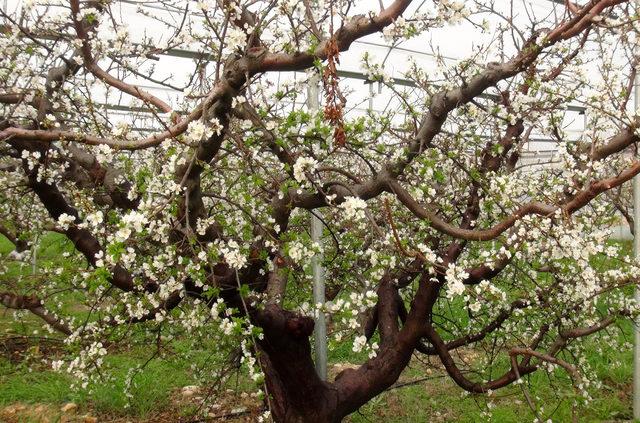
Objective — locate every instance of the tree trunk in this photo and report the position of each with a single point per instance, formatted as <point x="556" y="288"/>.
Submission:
<point x="295" y="392"/>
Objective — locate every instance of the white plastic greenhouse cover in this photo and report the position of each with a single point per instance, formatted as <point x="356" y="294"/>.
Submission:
<point x="453" y="43"/>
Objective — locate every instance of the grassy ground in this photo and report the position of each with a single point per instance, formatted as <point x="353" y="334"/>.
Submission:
<point x="31" y="391"/>
<point x="438" y="399"/>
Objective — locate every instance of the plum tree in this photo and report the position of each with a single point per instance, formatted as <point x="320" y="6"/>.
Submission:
<point x="189" y="211"/>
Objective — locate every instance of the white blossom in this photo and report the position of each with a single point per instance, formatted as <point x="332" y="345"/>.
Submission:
<point x="353" y="208"/>
<point x="302" y="166"/>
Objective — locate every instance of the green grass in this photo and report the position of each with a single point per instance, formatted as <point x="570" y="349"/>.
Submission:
<point x="439" y="399"/>
<point x="151" y="389"/>
<point x="31" y="381"/>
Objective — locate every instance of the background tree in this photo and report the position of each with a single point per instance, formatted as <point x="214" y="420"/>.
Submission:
<point x="190" y="216"/>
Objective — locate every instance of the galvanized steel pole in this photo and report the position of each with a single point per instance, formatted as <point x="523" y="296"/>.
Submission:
<point x="320" y="328"/>
<point x="636" y="252"/>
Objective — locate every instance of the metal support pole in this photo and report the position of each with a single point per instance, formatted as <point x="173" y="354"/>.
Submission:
<point x="320" y="328"/>
<point x="34" y="254"/>
<point x="636" y="252"/>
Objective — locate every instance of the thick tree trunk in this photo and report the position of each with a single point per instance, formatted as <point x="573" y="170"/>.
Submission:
<point x="295" y="392"/>
<point x="295" y="396"/>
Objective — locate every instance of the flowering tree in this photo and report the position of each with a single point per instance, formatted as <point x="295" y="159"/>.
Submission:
<point x="189" y="215"/>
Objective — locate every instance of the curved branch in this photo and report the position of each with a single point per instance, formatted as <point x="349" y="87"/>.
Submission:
<point x="576" y="203"/>
<point x="14" y="133"/>
<point x="468" y="234"/>
<point x="481" y="334"/>
<point x="358" y="27"/>
<point x="91" y="65"/>
<point x="34" y="305"/>
<point x="461" y="380"/>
